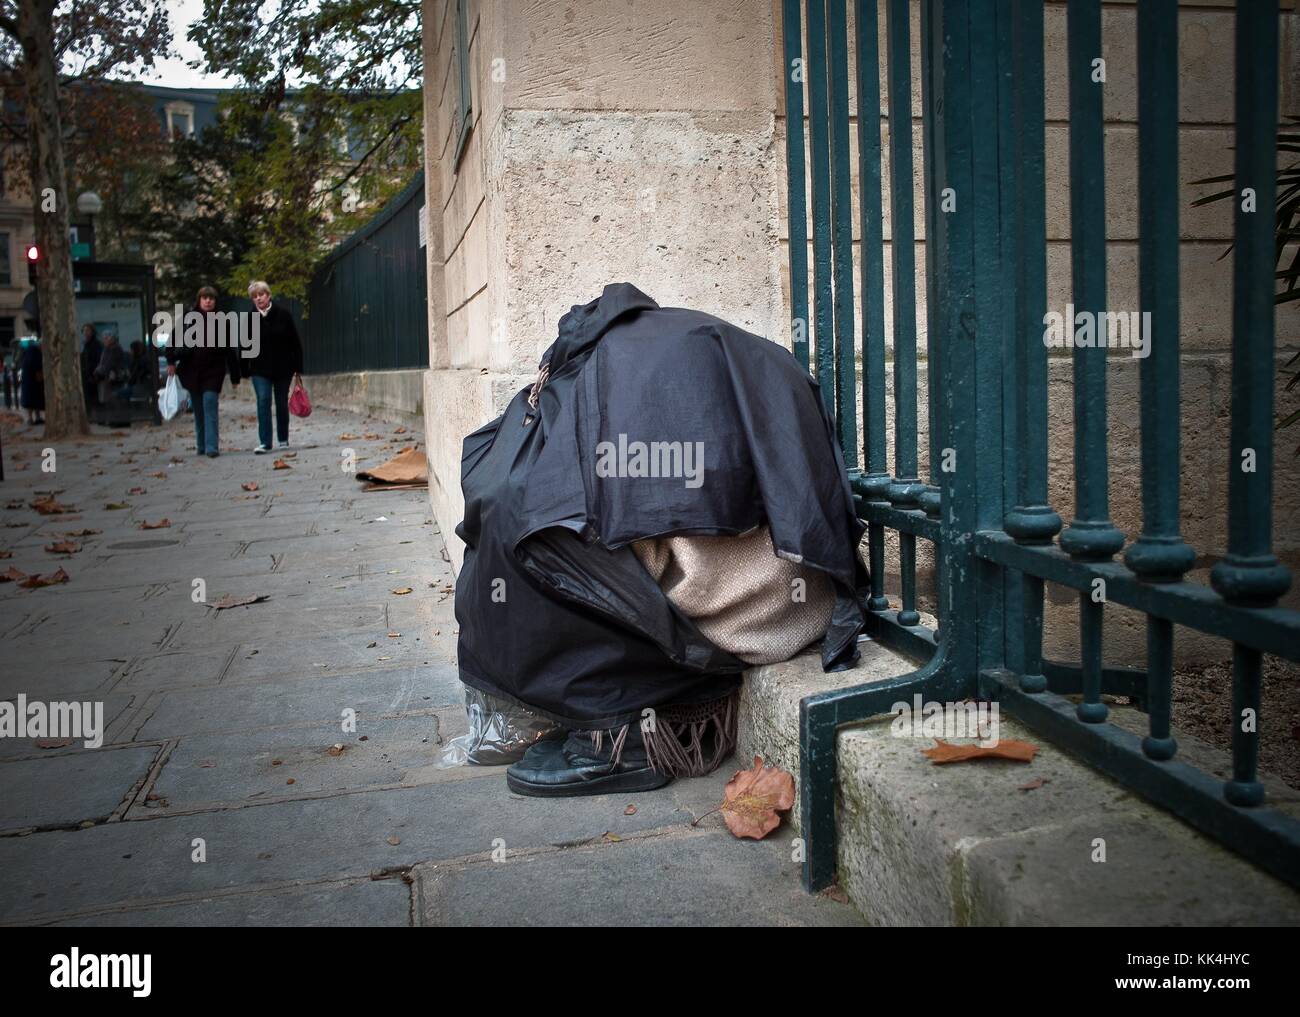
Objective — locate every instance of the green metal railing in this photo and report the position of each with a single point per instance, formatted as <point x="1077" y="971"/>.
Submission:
<point x="986" y="507"/>
<point x="367" y="306"/>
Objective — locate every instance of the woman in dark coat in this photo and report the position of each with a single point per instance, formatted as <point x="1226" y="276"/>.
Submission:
<point x="202" y="366"/>
<point x="31" y="386"/>
<point x="278" y="362"/>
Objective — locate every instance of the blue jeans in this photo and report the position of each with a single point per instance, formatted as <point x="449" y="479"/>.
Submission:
<point x="264" y="387"/>
<point x="205" y="422"/>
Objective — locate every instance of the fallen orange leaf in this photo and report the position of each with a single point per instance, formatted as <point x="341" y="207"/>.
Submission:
<point x="63" y="547"/>
<point x="946" y="752"/>
<point x="280" y="464"/>
<point x="161" y="524"/>
<point x="33" y="582"/>
<point x="49" y="507"/>
<point x="753" y="798"/>
<point x="11" y="575"/>
<point x="250" y="486"/>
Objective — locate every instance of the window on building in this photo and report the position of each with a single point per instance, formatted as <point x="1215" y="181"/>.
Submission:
<point x="180" y="119"/>
<point x="6" y="275"/>
<point x="463" y="111"/>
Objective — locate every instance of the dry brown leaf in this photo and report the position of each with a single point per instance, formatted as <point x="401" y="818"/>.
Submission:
<point x="80" y="533"/>
<point x="36" y="581"/>
<point x="6" y="554"/>
<point x="17" y="504"/>
<point x="52" y="743"/>
<point x="280" y="464"/>
<point x="161" y="524"/>
<point x="347" y="437"/>
<point x="946" y="752"/>
<point x="116" y="506"/>
<point x="630" y="810"/>
<point x="137" y="490"/>
<point x="399" y="430"/>
<point x="160" y="475"/>
<point x="371" y="436"/>
<point x="402" y="591"/>
<point x="250" y="486"/>
<point x="233" y="601"/>
<point x="47" y="506"/>
<point x="63" y="547"/>
<point x="12" y="575"/>
<point x="394" y="840"/>
<point x="753" y="798"/>
<point x="1037" y="782"/>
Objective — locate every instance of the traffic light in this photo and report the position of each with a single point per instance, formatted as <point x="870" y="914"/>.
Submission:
<point x="33" y="260"/>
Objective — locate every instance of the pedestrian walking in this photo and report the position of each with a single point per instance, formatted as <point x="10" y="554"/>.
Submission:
<point x="277" y="364"/>
<point x="202" y="366"/>
<point x="31" y="382"/>
<point x="92" y="350"/>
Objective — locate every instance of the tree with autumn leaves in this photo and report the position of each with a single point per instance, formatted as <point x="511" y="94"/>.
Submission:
<point x="47" y="46"/>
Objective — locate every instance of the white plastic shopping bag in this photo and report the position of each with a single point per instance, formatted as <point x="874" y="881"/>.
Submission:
<point x="169" y="398"/>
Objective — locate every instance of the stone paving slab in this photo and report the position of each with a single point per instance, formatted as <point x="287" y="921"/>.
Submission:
<point x="305" y="700"/>
<point x="352" y="834"/>
<point x="118" y="708"/>
<point x="358" y="903"/>
<point x="254" y="767"/>
<point x="90" y="785"/>
<point x="684" y="881"/>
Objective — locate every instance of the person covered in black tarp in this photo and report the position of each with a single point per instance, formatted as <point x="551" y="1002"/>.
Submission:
<point x="663" y="507"/>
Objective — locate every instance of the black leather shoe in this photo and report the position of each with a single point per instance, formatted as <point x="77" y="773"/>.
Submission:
<point x="557" y="769"/>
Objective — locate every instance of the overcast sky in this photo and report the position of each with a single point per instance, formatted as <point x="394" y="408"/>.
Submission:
<point x="174" y="72"/>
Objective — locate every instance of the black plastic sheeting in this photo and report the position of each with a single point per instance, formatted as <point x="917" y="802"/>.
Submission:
<point x="555" y="610"/>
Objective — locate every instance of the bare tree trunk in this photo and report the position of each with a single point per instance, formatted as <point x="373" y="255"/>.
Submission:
<point x="65" y="406"/>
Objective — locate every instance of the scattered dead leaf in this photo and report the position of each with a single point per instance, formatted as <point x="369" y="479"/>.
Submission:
<point x="347" y="437"/>
<point x="946" y="752"/>
<point x="402" y="591"/>
<point x="137" y="490"/>
<point x="63" y="547"/>
<point x="280" y="464"/>
<point x="1037" y="782"/>
<point x="47" y="506"/>
<point x="160" y="475"/>
<point x="230" y="600"/>
<point x="52" y="743"/>
<point x="753" y="798"/>
<point x="161" y="524"/>
<point x="116" y="506"/>
<point x="80" y="533"/>
<point x="630" y="810"/>
<point x="6" y="554"/>
<point x="612" y="837"/>
<point x="12" y="575"/>
<point x="399" y="430"/>
<point x="393" y="840"/>
<point x="36" y="581"/>
<point x="250" y="486"/>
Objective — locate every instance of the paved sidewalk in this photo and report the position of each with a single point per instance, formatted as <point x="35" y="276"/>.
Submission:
<point x="225" y="727"/>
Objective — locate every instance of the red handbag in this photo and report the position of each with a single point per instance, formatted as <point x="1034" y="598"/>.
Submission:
<point x="299" y="401"/>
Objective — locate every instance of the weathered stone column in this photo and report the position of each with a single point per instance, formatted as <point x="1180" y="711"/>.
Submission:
<point x="610" y="141"/>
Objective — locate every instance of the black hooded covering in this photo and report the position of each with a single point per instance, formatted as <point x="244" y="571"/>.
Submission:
<point x="555" y="610"/>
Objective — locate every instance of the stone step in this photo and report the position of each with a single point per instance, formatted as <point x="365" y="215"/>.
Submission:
<point x="966" y="844"/>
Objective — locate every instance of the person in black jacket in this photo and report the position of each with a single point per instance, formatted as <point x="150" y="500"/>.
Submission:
<point x="92" y="351"/>
<point x="31" y="383"/>
<point x="278" y="362"/>
<point x="202" y="357"/>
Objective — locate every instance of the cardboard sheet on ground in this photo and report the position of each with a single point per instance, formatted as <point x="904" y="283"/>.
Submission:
<point x="405" y="471"/>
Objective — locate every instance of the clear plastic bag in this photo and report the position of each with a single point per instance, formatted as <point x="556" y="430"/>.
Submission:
<point x="499" y="732"/>
<point x="169" y="398"/>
